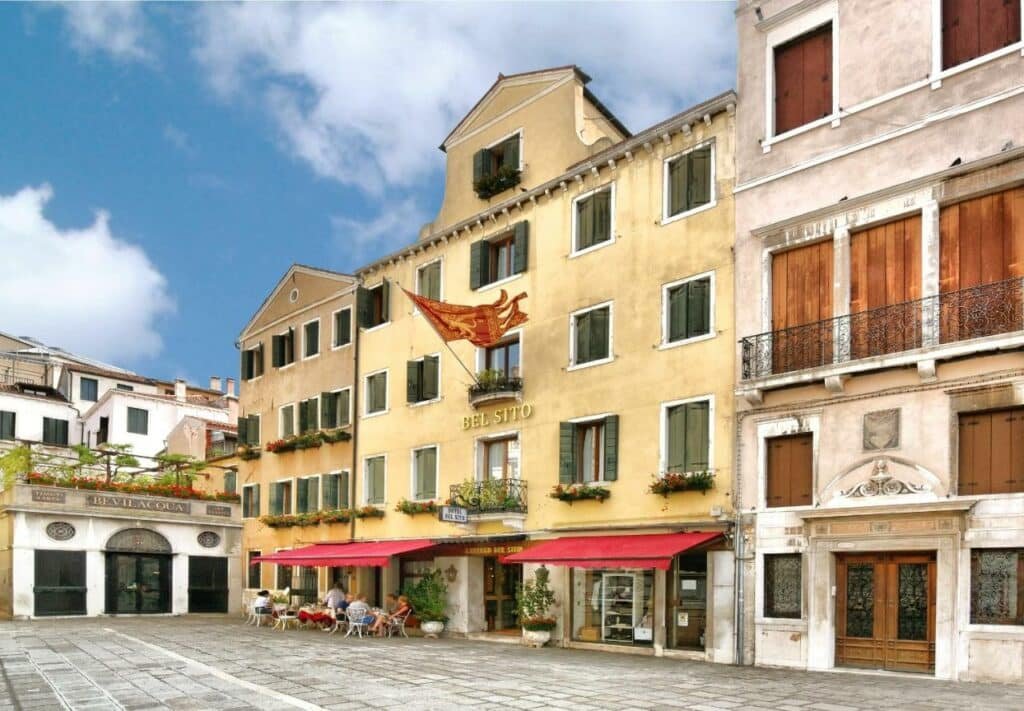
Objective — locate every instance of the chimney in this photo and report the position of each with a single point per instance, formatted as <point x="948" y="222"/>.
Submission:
<point x="230" y="389"/>
<point x="215" y="383"/>
<point x="180" y="390"/>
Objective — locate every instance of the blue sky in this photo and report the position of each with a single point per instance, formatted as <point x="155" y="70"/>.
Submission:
<point x="162" y="165"/>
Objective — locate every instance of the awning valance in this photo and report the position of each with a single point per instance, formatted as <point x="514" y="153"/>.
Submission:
<point x="654" y="550"/>
<point x="375" y="554"/>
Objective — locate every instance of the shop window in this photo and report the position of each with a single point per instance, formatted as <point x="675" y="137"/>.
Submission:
<point x="342" y="327"/>
<point x="376" y="393"/>
<point x="8" y="422"/>
<point x="997" y="586"/>
<point x="283" y="348"/>
<point x="375" y="482"/>
<point x="687" y="309"/>
<point x="593" y="216"/>
<point x="55" y="431"/>
<point x="254" y="574"/>
<point x="373" y="305"/>
<point x="687" y="434"/>
<point x="309" y="415"/>
<point x="499" y="257"/>
<point x="424" y="473"/>
<point x="689" y="181"/>
<point x="138" y="421"/>
<point x="286" y="426"/>
<point x="613" y="606"/>
<point x="335" y="491"/>
<point x="589" y="450"/>
<point x="252" y="362"/>
<point x="280" y="497"/>
<point x="974" y="28"/>
<point x="803" y="79"/>
<point x="428" y="280"/>
<point x="311" y="339"/>
<point x="307" y="494"/>
<point x="591" y="335"/>
<point x="991" y="452"/>
<point x="249" y="430"/>
<point x="783" y="583"/>
<point x="88" y="389"/>
<point x="335" y="409"/>
<point x="251" y="501"/>
<point x="789" y="470"/>
<point x="423" y="379"/>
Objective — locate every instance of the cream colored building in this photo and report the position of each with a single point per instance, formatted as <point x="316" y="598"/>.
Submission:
<point x="880" y="219"/>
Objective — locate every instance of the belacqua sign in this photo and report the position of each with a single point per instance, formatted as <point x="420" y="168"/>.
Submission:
<point x="501" y="416"/>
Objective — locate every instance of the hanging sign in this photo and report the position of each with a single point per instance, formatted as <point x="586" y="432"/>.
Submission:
<point x="453" y="514"/>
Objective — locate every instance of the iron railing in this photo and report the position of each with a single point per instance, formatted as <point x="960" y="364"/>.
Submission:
<point x="492" y="386"/>
<point x="987" y="310"/>
<point x="490" y="496"/>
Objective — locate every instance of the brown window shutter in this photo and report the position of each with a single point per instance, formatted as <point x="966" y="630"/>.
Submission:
<point x="803" y="79"/>
<point x="1015" y="480"/>
<point x="802" y="461"/>
<point x="966" y="482"/>
<point x="777" y="472"/>
<point x="790" y="470"/>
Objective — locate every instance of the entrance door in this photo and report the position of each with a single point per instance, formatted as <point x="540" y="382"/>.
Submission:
<point x="207" y="584"/>
<point x="138" y="583"/>
<point x="500" y="585"/>
<point x="885" y="611"/>
<point x="687" y="602"/>
<point x="60" y="583"/>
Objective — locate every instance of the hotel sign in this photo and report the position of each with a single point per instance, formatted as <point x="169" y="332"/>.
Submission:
<point x="453" y="514"/>
<point x="501" y="416"/>
<point x="131" y="502"/>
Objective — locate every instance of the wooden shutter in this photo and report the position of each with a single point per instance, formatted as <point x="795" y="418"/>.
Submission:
<point x="981" y="240"/>
<point x="698" y="308"/>
<point x="313" y="494"/>
<point x="412" y="381"/>
<point x="343" y="408"/>
<point x="430" y="381"/>
<point x="254" y="507"/>
<point x="479" y="268"/>
<point x="789" y="470"/>
<point x="974" y="28"/>
<point x="599" y="333"/>
<point x="48" y="430"/>
<point x="246" y="366"/>
<point x="380" y="391"/>
<point x="678" y="185"/>
<point x="585" y="223"/>
<point x="253" y="430"/>
<point x="7" y="425"/>
<point x="885" y="265"/>
<point x="991" y="452"/>
<point x="243" y="431"/>
<point x="802" y="285"/>
<point x="510" y="153"/>
<point x="344" y="327"/>
<point x="364" y="307"/>
<point x="699" y="188"/>
<point x="676" y="435"/>
<point x="301" y="495"/>
<point x="275" y="499"/>
<point x="602" y="216"/>
<point x="258" y="360"/>
<point x="566" y="452"/>
<point x="520" y="246"/>
<point x="581" y="324"/>
<point x="697" y="440"/>
<point x="611" y="448"/>
<point x="328" y="410"/>
<point x="277" y="350"/>
<point x="426" y="474"/>
<point x="303" y="416"/>
<point x="329" y="501"/>
<point x="344" y="489"/>
<point x="289" y="343"/>
<point x="803" y="79"/>
<point x="482" y="164"/>
<point x="678" y="310"/>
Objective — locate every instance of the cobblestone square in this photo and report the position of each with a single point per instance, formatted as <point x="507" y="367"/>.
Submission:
<point x="219" y="663"/>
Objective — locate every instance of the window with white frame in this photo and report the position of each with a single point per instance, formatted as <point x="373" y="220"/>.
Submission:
<point x="286" y="421"/>
<point x="376" y="393"/>
<point x="283" y="348"/>
<point x="424" y="473"/>
<point x="252" y="362"/>
<point x="588" y="450"/>
<point x="342" y="327"/>
<point x="335" y="487"/>
<point x="974" y="28"/>
<point x="498" y="457"/>
<point x="593" y="219"/>
<point x="375" y="480"/>
<point x="502" y="360"/>
<point x="590" y="331"/>
<point x="138" y="421"/>
<point x="428" y="280"/>
<point x="311" y="338"/>
<point x="251" y="501"/>
<point x="307" y="494"/>
<point x="688" y="309"/>
<point x="309" y="415"/>
<point x="280" y="497"/>
<point x="423" y="379"/>
<point x="686" y="435"/>
<point x="336" y="408"/>
<point x="689" y="181"/>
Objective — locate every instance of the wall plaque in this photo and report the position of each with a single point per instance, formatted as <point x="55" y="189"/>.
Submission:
<point x="881" y="430"/>
<point x="218" y="510"/>
<point x="208" y="539"/>
<point x="50" y="496"/>
<point x="131" y="502"/>
<point x="60" y="531"/>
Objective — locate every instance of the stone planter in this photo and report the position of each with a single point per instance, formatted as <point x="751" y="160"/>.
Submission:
<point x="536" y="638"/>
<point x="432" y="629"/>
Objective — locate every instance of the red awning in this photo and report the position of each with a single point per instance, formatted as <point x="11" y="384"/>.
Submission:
<point x="646" y="551"/>
<point x="374" y="554"/>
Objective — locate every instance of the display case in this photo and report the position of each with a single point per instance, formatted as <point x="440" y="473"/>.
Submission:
<point x="624" y="614"/>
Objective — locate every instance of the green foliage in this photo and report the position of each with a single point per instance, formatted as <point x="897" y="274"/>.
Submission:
<point x="534" y="599"/>
<point x="505" y="178"/>
<point x="682" y="481"/>
<point x="429" y="597"/>
<point x="15" y="463"/>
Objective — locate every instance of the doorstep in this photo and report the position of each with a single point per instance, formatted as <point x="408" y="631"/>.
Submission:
<point x="498" y="638"/>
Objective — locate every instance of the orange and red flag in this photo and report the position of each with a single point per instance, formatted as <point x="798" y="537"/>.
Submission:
<point x="482" y="325"/>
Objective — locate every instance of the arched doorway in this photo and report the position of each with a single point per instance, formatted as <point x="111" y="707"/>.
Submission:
<point x="138" y="572"/>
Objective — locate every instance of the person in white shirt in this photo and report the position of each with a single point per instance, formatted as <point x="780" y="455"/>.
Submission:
<point x="360" y="610"/>
<point x="335" y="596"/>
<point x="261" y="605"/>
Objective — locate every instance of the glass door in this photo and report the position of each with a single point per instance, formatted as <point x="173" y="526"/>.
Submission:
<point x="59" y="583"/>
<point x="687" y="602"/>
<point x="500" y="585"/>
<point x="138" y="584"/>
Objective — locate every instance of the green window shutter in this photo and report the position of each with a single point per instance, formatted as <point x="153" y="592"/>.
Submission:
<point x="277" y="351"/>
<point x="412" y="381"/>
<point x="314" y="414"/>
<point x="258" y="361"/>
<point x="329" y="502"/>
<point x="7" y="422"/>
<point x="699" y="192"/>
<point x="611" y="448"/>
<point x="243" y="430"/>
<point x="289" y="342"/>
<point x="430" y="382"/>
<point x="301" y="495"/>
<point x="510" y="153"/>
<point x="430" y="480"/>
<point x="385" y="301"/>
<point x="62" y="429"/>
<point x="676" y="439"/>
<point x="364" y="307"/>
<point x="375" y="482"/>
<point x="246" y="366"/>
<point x="678" y="185"/>
<point x="343" y="408"/>
<point x="566" y="452"/>
<point x="311" y="339"/>
<point x="313" y="494"/>
<point x="678" y="300"/>
<point x="479" y="269"/>
<point x="482" y="164"/>
<point x="599" y="334"/>
<point x="696" y="458"/>
<point x="521" y="246"/>
<point x="344" y="489"/>
<point x="275" y="499"/>
<point x="582" y="337"/>
<point x="328" y="410"/>
<point x="49" y="430"/>
<point x="253" y="430"/>
<point x="698" y="310"/>
<point x="602" y="216"/>
<point x="303" y="416"/>
<point x="343" y="326"/>
<point x="585" y="223"/>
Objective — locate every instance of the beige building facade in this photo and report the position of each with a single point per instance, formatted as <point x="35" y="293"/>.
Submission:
<point x="880" y="219"/>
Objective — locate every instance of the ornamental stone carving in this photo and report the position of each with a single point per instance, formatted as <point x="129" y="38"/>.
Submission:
<point x="208" y="539"/>
<point x="60" y="531"/>
<point x="138" y="540"/>
<point x="883" y="483"/>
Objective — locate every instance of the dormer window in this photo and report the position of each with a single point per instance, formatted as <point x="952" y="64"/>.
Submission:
<point x="497" y="167"/>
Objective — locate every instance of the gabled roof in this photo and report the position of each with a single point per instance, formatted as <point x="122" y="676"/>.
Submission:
<point x="41" y="392"/>
<point x="582" y="76"/>
<point x="295" y="268"/>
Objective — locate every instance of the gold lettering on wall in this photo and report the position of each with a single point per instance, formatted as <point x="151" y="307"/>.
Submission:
<point x="501" y="416"/>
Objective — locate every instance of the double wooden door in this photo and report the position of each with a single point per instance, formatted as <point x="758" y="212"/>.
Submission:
<point x="885" y="611"/>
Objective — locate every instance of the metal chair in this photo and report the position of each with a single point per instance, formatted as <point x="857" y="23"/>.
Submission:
<point x="339" y="621"/>
<point x="397" y="624"/>
<point x="285" y="618"/>
<point x="356" y="621"/>
<point x="259" y="614"/>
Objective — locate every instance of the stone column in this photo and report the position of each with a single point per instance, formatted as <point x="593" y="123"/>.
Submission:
<point x="660" y="590"/>
<point x="720" y="633"/>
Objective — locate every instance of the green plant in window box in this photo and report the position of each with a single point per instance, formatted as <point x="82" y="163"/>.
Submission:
<point x="411" y="508"/>
<point x="336" y="516"/>
<point x="247" y="453"/>
<point x="335" y="435"/>
<point x="504" y="178"/>
<point x="671" y="482"/>
<point x="579" y="492"/>
<point x="369" y="512"/>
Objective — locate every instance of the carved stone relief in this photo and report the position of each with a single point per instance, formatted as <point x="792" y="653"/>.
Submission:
<point x="881" y="430"/>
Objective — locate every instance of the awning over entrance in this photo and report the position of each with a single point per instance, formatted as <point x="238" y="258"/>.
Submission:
<point x="654" y="550"/>
<point x="375" y="554"/>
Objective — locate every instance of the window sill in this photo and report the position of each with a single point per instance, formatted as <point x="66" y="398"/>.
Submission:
<point x="368" y="415"/>
<point x="379" y="326"/>
<point x="832" y="119"/>
<point x="253" y="380"/>
<point x="589" y="364"/>
<point x="343" y="345"/>
<point x="500" y="282"/>
<point x="311" y="357"/>
<point x="936" y="79"/>
<point x="285" y="367"/>
<point x="421" y="403"/>
<point x="594" y="247"/>
<point x="669" y="345"/>
<point x="669" y="219"/>
<point x="427" y="500"/>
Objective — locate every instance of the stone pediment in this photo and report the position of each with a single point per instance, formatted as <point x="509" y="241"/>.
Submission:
<point x="883" y="479"/>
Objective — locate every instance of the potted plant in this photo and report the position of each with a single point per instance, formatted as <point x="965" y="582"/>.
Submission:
<point x="533" y="601"/>
<point x="429" y="599"/>
<point x="670" y="482"/>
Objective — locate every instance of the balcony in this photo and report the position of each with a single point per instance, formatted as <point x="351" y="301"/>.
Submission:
<point x="492" y="500"/>
<point x="494" y="389"/>
<point x="911" y="332"/>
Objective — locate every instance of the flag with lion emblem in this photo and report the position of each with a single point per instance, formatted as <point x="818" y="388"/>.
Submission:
<point x="482" y="325"/>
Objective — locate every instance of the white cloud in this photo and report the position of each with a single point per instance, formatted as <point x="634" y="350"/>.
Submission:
<point x="81" y="289"/>
<point x="364" y="239"/>
<point x="117" y="28"/>
<point x="365" y="93"/>
<point x="179" y="139"/>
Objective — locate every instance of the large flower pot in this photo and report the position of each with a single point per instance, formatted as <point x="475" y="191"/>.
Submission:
<point x="432" y="629"/>
<point x="536" y="638"/>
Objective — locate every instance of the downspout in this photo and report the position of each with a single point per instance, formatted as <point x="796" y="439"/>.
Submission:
<point x="353" y="474"/>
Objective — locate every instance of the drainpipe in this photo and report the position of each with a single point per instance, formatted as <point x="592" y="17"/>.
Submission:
<point x="353" y="473"/>
<point x="738" y="586"/>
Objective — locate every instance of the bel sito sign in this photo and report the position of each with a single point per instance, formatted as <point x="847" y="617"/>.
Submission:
<point x="501" y="416"/>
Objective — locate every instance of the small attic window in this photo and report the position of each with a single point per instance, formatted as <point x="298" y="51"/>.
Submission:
<point x="497" y="167"/>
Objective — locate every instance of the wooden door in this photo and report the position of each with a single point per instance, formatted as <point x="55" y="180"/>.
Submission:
<point x="501" y="582"/>
<point x="885" y="611"/>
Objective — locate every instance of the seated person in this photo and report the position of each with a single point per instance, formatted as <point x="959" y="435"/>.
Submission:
<point x="349" y="599"/>
<point x="401" y="608"/>
<point x="335" y="596"/>
<point x="360" y="610"/>
<point x="262" y="605"/>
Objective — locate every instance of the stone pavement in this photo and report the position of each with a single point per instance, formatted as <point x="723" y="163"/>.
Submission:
<point x="219" y="663"/>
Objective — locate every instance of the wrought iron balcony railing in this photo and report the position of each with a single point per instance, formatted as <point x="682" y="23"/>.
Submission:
<point x="490" y="496"/>
<point x="986" y="310"/>
<point x="495" y="388"/>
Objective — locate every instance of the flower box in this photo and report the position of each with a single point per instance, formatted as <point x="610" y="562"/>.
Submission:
<point x="501" y="181"/>
<point x="672" y="482"/>
<point x="579" y="492"/>
<point x="369" y="512"/>
<point x="411" y="508"/>
<point x="173" y="491"/>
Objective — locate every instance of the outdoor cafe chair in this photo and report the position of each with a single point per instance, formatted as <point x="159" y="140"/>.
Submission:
<point x="285" y="618"/>
<point x="356" y="622"/>
<point x="397" y="624"/>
